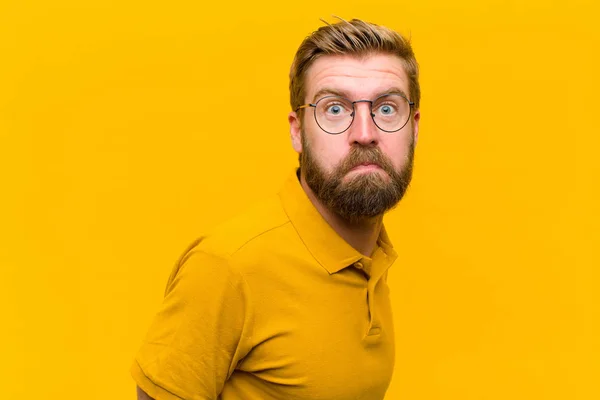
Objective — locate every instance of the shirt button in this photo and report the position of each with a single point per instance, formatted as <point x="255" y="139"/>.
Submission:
<point x="359" y="265"/>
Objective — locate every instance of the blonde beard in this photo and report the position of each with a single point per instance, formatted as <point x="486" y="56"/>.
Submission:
<point x="363" y="196"/>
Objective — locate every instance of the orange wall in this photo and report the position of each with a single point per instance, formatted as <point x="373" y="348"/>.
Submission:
<point x="126" y="130"/>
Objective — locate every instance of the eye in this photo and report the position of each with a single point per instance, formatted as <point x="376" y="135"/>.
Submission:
<point x="335" y="109"/>
<point x="387" y="109"/>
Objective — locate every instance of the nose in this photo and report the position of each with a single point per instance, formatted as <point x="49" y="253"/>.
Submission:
<point x="363" y="130"/>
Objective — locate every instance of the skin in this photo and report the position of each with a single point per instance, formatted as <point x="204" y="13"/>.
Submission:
<point x="358" y="78"/>
<point x="141" y="395"/>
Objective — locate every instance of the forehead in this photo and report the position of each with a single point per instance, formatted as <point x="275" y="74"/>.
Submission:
<point x="357" y="77"/>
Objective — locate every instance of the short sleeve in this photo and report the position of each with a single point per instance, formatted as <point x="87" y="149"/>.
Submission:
<point x="202" y="330"/>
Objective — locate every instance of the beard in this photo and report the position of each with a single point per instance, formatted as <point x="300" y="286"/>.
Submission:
<point x="363" y="195"/>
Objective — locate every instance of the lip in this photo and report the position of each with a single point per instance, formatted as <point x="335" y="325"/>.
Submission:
<point x="366" y="166"/>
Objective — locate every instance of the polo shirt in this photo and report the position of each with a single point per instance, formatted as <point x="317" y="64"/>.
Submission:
<point x="273" y="304"/>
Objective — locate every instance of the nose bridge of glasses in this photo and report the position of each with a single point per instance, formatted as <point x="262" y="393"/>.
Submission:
<point x="364" y="121"/>
<point x="364" y="101"/>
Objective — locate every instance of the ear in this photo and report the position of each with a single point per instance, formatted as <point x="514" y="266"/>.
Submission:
<point x="416" y="119"/>
<point x="295" y="131"/>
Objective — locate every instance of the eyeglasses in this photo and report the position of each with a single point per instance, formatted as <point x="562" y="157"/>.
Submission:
<point x="335" y="114"/>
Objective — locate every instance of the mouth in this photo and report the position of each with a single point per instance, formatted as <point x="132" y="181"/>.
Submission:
<point x="366" y="166"/>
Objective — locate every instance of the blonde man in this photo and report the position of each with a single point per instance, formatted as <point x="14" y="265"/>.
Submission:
<point x="290" y="300"/>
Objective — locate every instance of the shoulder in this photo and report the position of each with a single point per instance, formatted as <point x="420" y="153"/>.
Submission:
<point x="247" y="242"/>
<point x="259" y="226"/>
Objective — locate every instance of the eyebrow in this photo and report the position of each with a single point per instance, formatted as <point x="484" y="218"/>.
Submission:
<point x="328" y="91"/>
<point x="338" y="92"/>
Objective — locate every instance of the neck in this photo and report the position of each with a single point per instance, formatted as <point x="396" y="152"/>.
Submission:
<point x="362" y="235"/>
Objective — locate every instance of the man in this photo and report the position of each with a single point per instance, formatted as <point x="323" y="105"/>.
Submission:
<point x="290" y="300"/>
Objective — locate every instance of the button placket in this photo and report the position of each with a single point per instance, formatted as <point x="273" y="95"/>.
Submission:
<point x="374" y="323"/>
<point x="377" y="267"/>
<point x="374" y="326"/>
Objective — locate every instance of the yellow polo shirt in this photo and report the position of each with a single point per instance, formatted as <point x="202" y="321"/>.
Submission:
<point x="273" y="304"/>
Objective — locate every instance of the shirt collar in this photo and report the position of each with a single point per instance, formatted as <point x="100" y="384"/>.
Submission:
<point x="321" y="240"/>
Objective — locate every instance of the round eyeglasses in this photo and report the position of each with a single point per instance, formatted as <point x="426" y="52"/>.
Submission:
<point x="335" y="114"/>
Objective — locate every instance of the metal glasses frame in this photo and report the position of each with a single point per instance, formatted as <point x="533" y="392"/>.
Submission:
<point x="314" y="105"/>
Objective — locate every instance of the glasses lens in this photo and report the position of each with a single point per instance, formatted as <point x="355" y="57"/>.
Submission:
<point x="391" y="112"/>
<point x="334" y="114"/>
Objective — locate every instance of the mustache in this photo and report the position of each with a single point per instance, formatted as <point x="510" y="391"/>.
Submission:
<point x="361" y="155"/>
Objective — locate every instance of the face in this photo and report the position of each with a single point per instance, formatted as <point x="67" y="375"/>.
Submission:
<point x="364" y="171"/>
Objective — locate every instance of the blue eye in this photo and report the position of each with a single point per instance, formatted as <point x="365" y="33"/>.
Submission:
<point x="335" y="109"/>
<point x="387" y="109"/>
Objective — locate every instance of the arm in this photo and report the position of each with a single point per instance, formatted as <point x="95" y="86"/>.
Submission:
<point x="199" y="334"/>
<point x="141" y="395"/>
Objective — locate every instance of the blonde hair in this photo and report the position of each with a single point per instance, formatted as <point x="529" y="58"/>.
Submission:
<point x="355" y="37"/>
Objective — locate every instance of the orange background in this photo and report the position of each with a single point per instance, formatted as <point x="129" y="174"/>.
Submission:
<point x="128" y="129"/>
